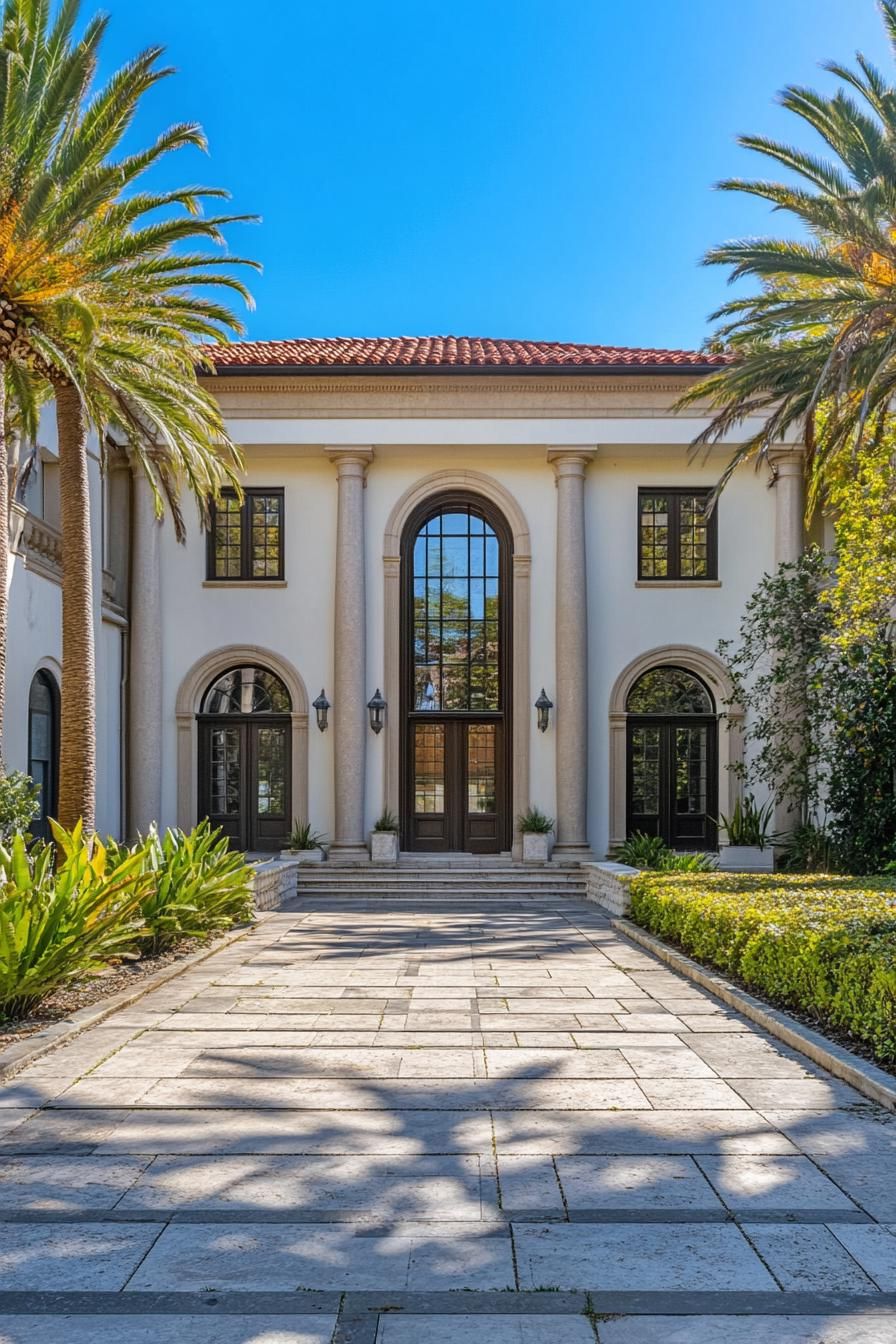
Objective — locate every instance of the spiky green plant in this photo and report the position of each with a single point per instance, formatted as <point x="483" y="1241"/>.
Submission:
<point x="63" y="916"/>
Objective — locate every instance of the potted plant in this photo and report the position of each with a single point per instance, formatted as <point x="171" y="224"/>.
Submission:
<point x="305" y="844"/>
<point x="384" y="839"/>
<point x="538" y="835"/>
<point x="749" y="847"/>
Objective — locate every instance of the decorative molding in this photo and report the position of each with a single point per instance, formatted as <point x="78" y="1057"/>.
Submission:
<point x="713" y="672"/>
<point x="186" y="709"/>
<point x="659" y="584"/>
<point x="39" y="543"/>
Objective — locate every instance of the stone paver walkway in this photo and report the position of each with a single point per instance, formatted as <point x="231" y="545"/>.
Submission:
<point x="384" y="1123"/>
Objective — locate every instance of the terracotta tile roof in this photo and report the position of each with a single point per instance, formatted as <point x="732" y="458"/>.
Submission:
<point x="449" y="352"/>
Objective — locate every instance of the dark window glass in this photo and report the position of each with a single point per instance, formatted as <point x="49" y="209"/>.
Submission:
<point x="246" y="690"/>
<point x="677" y="537"/>
<point x="456" y="641"/>
<point x="669" y="690"/>
<point x="43" y="748"/>
<point x="246" y="540"/>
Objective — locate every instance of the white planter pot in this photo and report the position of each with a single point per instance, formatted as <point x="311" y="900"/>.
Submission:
<point x="384" y="846"/>
<point x="304" y="855"/>
<point x="746" y="859"/>
<point x="537" y="848"/>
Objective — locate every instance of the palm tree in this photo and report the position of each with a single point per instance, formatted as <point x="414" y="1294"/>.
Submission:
<point x="98" y="301"/>
<point x="815" y="350"/>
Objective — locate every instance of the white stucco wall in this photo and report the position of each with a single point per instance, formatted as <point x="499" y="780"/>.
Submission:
<point x="295" y="621"/>
<point x="624" y="621"/>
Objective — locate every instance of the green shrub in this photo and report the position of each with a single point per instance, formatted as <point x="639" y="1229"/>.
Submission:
<point x="823" y="945"/>
<point x="197" y="885"/>
<point x="652" y="852"/>
<point x="303" y="836"/>
<point x="749" y="824"/>
<point x="387" y="821"/>
<point x="535" y="822"/>
<point x="19" y="804"/>
<point x="58" y="924"/>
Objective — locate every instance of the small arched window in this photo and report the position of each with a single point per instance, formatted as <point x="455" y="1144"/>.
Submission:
<point x="669" y="690"/>
<point x="43" y="748"/>
<point x="246" y="690"/>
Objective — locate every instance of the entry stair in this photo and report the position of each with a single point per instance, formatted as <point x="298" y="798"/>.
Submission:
<point x="441" y="878"/>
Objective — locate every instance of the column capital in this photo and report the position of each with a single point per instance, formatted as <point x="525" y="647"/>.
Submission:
<point x="350" y="460"/>
<point x="787" y="460"/>
<point x="572" y="460"/>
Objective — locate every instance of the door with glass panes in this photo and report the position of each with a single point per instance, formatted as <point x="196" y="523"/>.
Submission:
<point x="245" y="758"/>
<point x="455" y="710"/>
<point x="672" y="743"/>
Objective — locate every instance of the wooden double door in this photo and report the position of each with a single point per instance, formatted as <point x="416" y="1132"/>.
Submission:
<point x="672" y="773"/>
<point x="244" y="779"/>
<point x="456" y="785"/>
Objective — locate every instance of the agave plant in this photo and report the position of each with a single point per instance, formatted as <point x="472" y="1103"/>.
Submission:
<point x="63" y="916"/>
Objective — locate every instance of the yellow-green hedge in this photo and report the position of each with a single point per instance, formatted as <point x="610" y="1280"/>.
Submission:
<point x="826" y="945"/>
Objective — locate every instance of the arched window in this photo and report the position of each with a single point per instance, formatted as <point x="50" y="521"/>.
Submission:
<point x="43" y="747"/>
<point x="455" y="677"/>
<point x="669" y="690"/>
<point x="245" y="757"/>
<point x="246" y="690"/>
<point x="672" y="749"/>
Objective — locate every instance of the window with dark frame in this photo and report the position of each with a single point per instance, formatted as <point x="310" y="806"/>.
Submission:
<point x="677" y="538"/>
<point x="245" y="540"/>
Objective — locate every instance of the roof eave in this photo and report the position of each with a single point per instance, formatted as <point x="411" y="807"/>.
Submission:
<point x="457" y="370"/>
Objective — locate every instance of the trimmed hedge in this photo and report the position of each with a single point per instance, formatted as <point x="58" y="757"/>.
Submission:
<point x="823" y="945"/>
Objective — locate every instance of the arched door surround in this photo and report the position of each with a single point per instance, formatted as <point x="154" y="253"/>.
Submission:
<point x="635" y="701"/>
<point x="487" y="490"/>
<point x="455" y="676"/>
<point x="204" y="697"/>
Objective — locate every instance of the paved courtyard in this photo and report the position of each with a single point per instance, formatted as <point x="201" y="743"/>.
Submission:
<point x="383" y="1122"/>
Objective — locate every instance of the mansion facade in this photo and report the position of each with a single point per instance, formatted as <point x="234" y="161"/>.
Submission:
<point x="465" y="578"/>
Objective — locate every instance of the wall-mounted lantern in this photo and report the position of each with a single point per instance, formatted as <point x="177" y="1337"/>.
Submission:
<point x="544" y="707"/>
<point x="377" y="708"/>
<point x="321" y="708"/>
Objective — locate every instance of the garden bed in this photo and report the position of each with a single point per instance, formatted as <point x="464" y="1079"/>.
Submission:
<point x="92" y="989"/>
<point x="822" y="946"/>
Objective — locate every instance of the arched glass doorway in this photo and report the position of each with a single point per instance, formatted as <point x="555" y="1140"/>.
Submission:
<point x="672" y="748"/>
<point x="455" y="684"/>
<point x="43" y="748"/>
<point x="245" y="758"/>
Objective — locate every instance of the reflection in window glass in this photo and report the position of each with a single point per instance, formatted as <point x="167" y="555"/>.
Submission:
<point x="669" y="690"/>
<point x="481" y="773"/>
<point x="455" y="615"/>
<point x="429" y="767"/>
<point x="247" y="690"/>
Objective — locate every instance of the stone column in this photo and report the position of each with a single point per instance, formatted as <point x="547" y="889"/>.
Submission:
<point x="350" y="694"/>
<point x="790" y="506"/>
<point x="571" y="697"/>
<point x="790" y="511"/>
<point x="144" y="743"/>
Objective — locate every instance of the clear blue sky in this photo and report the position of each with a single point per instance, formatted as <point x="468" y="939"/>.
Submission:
<point x="514" y="169"/>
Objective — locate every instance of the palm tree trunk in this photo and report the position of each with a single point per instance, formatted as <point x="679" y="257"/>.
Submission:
<point x="77" y="757"/>
<point x="4" y="549"/>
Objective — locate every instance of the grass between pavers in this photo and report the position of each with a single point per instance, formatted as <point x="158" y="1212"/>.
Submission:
<point x="823" y="945"/>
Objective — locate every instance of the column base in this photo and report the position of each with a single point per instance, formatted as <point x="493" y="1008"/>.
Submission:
<point x="573" y="853"/>
<point x="349" y="851"/>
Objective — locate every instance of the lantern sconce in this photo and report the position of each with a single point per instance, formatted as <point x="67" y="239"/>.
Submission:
<point x="544" y="707"/>
<point x="377" y="708"/>
<point x="321" y="708"/>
